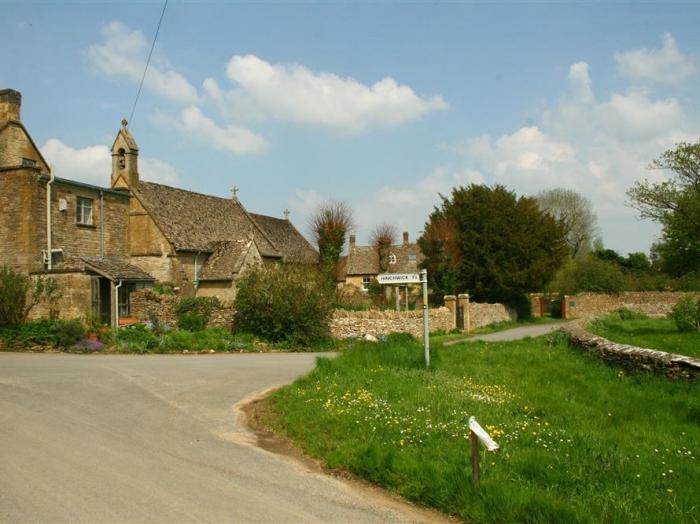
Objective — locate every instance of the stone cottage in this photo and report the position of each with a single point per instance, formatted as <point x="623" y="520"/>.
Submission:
<point x="102" y="243"/>
<point x="362" y="264"/>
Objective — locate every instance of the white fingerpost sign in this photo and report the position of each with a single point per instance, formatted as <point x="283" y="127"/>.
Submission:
<point x="399" y="278"/>
<point x="413" y="278"/>
<point x="479" y="434"/>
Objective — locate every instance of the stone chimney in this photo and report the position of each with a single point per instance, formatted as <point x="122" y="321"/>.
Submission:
<point x="352" y="242"/>
<point x="10" y="103"/>
<point x="405" y="238"/>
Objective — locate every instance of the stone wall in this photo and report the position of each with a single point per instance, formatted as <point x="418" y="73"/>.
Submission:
<point x="355" y="324"/>
<point x="472" y="315"/>
<point x="74" y="300"/>
<point x="652" y="303"/>
<point x="147" y="305"/>
<point x="670" y="364"/>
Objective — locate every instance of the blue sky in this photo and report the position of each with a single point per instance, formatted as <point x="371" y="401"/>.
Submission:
<point x="383" y="105"/>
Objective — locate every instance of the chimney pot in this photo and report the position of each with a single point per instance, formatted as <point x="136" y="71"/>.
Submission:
<point x="10" y="103"/>
<point x="405" y="238"/>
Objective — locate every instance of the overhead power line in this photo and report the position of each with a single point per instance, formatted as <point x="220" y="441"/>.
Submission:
<point x="148" y="62"/>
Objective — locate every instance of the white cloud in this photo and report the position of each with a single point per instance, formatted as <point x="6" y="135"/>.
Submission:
<point x="93" y="164"/>
<point x="296" y="94"/>
<point x="597" y="147"/>
<point x="124" y="52"/>
<point x="235" y="139"/>
<point x="665" y="65"/>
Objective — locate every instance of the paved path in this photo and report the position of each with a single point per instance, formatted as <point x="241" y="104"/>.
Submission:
<point x="121" y="438"/>
<point x="517" y="333"/>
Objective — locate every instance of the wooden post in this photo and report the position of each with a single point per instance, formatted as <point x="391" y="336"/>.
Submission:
<point x="475" y="458"/>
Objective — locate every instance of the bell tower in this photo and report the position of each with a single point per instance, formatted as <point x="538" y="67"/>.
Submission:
<point x="125" y="159"/>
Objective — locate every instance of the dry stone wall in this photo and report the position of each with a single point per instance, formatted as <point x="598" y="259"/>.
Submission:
<point x="147" y="305"/>
<point x="670" y="364"/>
<point x="652" y="303"/>
<point x="484" y="314"/>
<point x="356" y="324"/>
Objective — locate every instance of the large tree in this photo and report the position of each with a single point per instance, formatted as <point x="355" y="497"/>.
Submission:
<point x="675" y="204"/>
<point x="490" y="243"/>
<point x="382" y="238"/>
<point x="576" y="214"/>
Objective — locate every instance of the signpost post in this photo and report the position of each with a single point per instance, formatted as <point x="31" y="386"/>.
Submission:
<point x="413" y="278"/>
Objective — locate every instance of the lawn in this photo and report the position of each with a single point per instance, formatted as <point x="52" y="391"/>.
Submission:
<point x="653" y="333"/>
<point x="580" y="441"/>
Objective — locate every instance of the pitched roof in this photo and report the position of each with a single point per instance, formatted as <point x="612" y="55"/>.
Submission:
<point x="364" y="260"/>
<point x="287" y="239"/>
<point x="196" y="222"/>
<point x="115" y="268"/>
<point x="226" y="259"/>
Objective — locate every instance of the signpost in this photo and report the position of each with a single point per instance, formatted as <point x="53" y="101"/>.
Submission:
<point x="413" y="278"/>
<point x="479" y="434"/>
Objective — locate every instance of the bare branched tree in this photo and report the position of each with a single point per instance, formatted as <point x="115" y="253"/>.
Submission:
<point x="576" y="214"/>
<point x="330" y="224"/>
<point x="382" y="238"/>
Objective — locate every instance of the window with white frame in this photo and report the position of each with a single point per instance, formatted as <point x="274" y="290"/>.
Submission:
<point x="392" y="259"/>
<point x="83" y="212"/>
<point x="365" y="283"/>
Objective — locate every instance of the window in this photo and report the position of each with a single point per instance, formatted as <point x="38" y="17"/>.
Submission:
<point x="392" y="259"/>
<point x="28" y="162"/>
<point x="365" y="283"/>
<point x="411" y="258"/>
<point x="83" y="213"/>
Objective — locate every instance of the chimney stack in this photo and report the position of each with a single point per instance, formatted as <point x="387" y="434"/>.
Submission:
<point x="405" y="238"/>
<point x="352" y="242"/>
<point x="10" y="103"/>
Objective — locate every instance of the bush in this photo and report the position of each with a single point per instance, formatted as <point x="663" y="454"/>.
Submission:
<point x="57" y="333"/>
<point x="630" y="314"/>
<point x="193" y="313"/>
<point x="686" y="314"/>
<point x="284" y="302"/>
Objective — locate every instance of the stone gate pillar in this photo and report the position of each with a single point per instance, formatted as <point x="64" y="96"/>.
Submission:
<point x="463" y="309"/>
<point x="451" y="304"/>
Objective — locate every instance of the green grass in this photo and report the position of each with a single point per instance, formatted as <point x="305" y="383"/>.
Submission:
<point x="581" y="441"/>
<point x="653" y="333"/>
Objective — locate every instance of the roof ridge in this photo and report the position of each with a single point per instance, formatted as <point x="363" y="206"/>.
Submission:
<point x="183" y="190"/>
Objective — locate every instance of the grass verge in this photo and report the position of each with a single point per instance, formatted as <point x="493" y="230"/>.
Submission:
<point x="581" y="441"/>
<point x="652" y="333"/>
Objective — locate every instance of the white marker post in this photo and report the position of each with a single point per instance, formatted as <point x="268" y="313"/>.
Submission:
<point x="413" y="278"/>
<point x="479" y="434"/>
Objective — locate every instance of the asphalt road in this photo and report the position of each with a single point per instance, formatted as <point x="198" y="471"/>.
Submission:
<point x="517" y="333"/>
<point x="120" y="438"/>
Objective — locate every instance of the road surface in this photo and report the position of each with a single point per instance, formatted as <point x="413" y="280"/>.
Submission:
<point x="517" y="333"/>
<point x="154" y="438"/>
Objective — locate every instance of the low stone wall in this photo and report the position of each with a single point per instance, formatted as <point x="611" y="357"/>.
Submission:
<point x="485" y="314"/>
<point x="355" y="324"/>
<point x="146" y="305"/>
<point x="670" y="364"/>
<point x="74" y="300"/>
<point x="471" y="315"/>
<point x="652" y="303"/>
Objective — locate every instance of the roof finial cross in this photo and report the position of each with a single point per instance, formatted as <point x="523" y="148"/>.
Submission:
<point x="235" y="190"/>
<point x="286" y="214"/>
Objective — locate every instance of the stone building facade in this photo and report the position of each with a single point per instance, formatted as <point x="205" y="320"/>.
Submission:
<point x="102" y="243"/>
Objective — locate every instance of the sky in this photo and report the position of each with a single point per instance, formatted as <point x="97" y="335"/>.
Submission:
<point x="384" y="105"/>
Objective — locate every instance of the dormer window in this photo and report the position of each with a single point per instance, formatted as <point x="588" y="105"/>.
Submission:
<point x="121" y="158"/>
<point x="28" y="162"/>
<point x="392" y="259"/>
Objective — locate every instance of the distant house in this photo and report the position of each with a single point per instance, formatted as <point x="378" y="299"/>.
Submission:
<point x="362" y="264"/>
<point x="102" y="243"/>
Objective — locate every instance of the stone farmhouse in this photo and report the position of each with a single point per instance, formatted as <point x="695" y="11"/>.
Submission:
<point x="362" y="264"/>
<point x="102" y="243"/>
